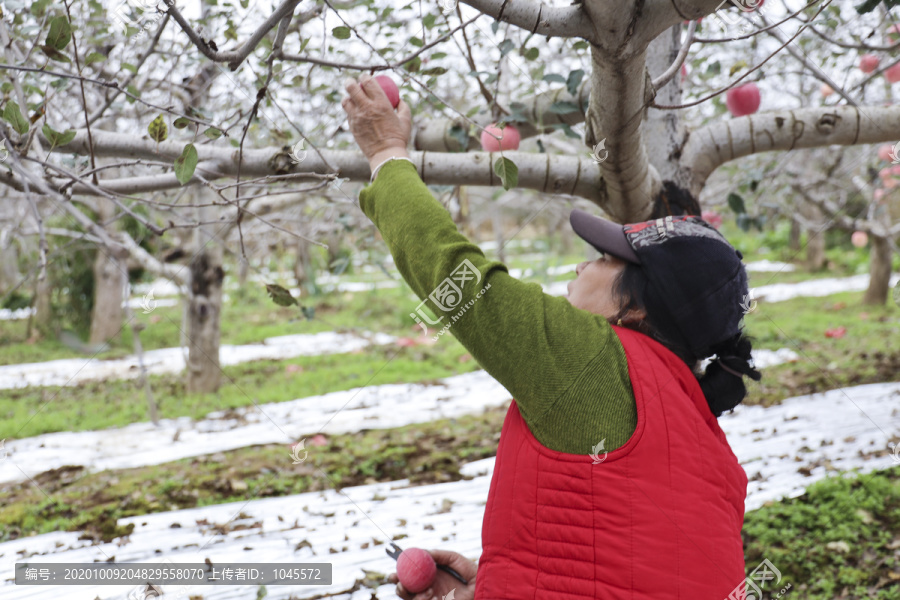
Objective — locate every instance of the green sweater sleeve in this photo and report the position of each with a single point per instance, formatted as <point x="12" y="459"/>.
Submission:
<point x="565" y="366"/>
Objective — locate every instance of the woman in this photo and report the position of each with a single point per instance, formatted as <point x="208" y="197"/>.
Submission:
<point x="612" y="478"/>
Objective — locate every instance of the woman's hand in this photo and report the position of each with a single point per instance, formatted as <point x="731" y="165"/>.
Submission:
<point x="379" y="131"/>
<point x="444" y="583"/>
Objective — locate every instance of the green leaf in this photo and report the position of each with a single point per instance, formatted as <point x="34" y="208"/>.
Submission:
<point x="507" y="171"/>
<point x="580" y="45"/>
<point x="434" y="71"/>
<point x="495" y="26"/>
<point x="186" y="163"/>
<point x="574" y="81"/>
<point x="129" y="67"/>
<point x="562" y="107"/>
<point x="158" y="130"/>
<point x="56" y="138"/>
<point x="181" y="123"/>
<point x="281" y="296"/>
<point x="212" y="133"/>
<point x="532" y="54"/>
<point x="341" y="33"/>
<point x="417" y="42"/>
<point x="737" y="204"/>
<point x="94" y="57"/>
<point x="506" y="46"/>
<point x="39" y="8"/>
<point x="54" y="54"/>
<point x="428" y="20"/>
<point x="60" y="33"/>
<point x="554" y="78"/>
<point x="13" y="116"/>
<point x="741" y="64"/>
<point x="245" y="3"/>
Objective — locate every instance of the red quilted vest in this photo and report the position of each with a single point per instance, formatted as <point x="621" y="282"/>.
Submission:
<point x="658" y="518"/>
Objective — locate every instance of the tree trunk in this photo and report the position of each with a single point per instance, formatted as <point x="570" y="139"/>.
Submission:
<point x="110" y="279"/>
<point x="815" y="250"/>
<point x="794" y="236"/>
<point x="204" y="313"/>
<point x="9" y="263"/>
<point x="879" y="271"/>
<point x="302" y="264"/>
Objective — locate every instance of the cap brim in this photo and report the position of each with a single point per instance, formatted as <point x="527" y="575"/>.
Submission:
<point x="604" y="235"/>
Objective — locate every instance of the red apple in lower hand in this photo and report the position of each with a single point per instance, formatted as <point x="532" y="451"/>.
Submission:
<point x="390" y="89"/>
<point x="868" y="63"/>
<point x="416" y="569"/>
<point x="743" y="100"/>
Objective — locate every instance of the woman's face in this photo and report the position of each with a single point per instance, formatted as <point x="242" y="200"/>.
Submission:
<point x="592" y="288"/>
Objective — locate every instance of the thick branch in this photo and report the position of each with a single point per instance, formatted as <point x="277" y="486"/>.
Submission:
<point x="536" y="17"/>
<point x="542" y="172"/>
<point x="713" y="145"/>
<point x="233" y="57"/>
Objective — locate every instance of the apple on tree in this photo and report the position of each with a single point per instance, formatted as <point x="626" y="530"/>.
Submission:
<point x="868" y="63"/>
<point x="390" y="89"/>
<point x="743" y="100"/>
<point x="893" y="73"/>
<point x="495" y="139"/>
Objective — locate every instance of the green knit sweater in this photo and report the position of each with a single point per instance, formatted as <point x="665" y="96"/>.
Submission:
<point x="565" y="366"/>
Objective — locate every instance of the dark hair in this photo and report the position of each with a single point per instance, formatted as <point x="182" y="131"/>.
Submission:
<point x="723" y="389"/>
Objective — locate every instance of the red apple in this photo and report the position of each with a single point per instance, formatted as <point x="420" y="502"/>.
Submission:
<point x="885" y="151"/>
<point x="859" y="239"/>
<point x="509" y="138"/>
<point x="416" y="569"/>
<point x="826" y="90"/>
<point x="868" y="63"/>
<point x="390" y="89"/>
<point x="893" y="74"/>
<point x="684" y="71"/>
<point x="743" y="100"/>
<point x="836" y="332"/>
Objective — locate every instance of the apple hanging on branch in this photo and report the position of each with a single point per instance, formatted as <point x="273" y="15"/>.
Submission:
<point x="390" y="89"/>
<point x="743" y="100"/>
<point x="868" y="63"/>
<point x="495" y="138"/>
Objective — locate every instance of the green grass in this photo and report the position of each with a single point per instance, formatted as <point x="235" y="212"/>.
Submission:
<point x="98" y="405"/>
<point x="838" y="540"/>
<point x="70" y="499"/>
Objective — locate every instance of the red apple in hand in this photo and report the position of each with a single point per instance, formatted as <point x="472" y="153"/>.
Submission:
<point x="416" y="569"/>
<point x="390" y="89"/>
<point x="868" y="63"/>
<point x="743" y="100"/>
<point x="509" y="138"/>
